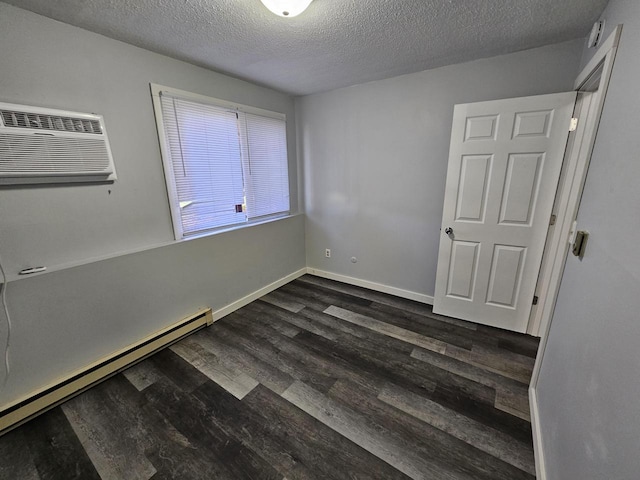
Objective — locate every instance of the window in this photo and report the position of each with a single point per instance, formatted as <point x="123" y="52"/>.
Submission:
<point x="224" y="164"/>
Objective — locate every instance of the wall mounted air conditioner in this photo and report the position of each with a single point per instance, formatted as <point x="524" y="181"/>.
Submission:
<point x="41" y="145"/>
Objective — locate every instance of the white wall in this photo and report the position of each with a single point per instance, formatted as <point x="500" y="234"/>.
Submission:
<point x="589" y="385"/>
<point x="66" y="319"/>
<point x="375" y="160"/>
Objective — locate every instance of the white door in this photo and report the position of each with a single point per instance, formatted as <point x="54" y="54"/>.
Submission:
<point x="504" y="164"/>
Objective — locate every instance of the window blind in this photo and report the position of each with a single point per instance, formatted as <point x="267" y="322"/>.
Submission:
<point x="265" y="165"/>
<point x="227" y="166"/>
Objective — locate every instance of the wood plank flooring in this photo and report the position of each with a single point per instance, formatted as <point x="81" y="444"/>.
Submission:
<point x="316" y="380"/>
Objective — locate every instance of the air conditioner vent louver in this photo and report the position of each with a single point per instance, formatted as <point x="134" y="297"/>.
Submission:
<point x="40" y="145"/>
<point x="15" y="119"/>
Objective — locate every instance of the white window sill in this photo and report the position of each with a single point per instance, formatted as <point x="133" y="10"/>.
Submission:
<point x="237" y="226"/>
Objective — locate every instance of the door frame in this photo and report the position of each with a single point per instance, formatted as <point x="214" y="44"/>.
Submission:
<point x="593" y="80"/>
<point x="592" y="83"/>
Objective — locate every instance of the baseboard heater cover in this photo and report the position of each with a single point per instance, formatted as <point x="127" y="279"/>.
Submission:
<point x="39" y="401"/>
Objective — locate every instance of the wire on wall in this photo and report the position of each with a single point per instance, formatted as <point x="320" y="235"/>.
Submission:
<point x="3" y="300"/>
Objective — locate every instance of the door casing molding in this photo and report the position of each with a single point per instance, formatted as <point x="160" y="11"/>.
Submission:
<point x="592" y="82"/>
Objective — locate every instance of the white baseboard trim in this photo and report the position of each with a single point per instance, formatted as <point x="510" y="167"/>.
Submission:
<point x="541" y="473"/>
<point x="47" y="397"/>
<point x="232" y="307"/>
<point x="378" y="287"/>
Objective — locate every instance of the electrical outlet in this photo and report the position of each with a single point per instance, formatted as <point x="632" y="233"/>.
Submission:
<point x="327" y="253"/>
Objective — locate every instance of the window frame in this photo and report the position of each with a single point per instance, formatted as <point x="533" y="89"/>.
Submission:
<point x="170" y="181"/>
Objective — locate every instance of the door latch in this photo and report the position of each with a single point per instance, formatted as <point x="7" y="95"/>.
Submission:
<point x="580" y="243"/>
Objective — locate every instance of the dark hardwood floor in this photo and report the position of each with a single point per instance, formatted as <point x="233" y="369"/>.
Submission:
<point x="317" y="380"/>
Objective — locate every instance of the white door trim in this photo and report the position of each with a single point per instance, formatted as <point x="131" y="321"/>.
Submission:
<point x="593" y="78"/>
<point x="556" y="247"/>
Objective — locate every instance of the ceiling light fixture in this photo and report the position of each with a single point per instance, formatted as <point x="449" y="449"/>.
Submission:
<point x="287" y="8"/>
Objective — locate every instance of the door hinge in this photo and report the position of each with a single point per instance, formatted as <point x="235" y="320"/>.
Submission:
<point x="552" y="221"/>
<point x="573" y="125"/>
<point x="535" y="300"/>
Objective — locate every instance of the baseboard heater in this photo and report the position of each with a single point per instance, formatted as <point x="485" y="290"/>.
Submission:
<point x="41" y="400"/>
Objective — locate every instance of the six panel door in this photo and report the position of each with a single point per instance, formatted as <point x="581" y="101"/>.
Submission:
<point x="504" y="165"/>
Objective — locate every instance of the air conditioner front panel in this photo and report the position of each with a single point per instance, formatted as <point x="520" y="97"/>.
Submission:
<point x="50" y="146"/>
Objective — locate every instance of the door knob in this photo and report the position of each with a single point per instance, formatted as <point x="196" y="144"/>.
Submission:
<point x="448" y="230"/>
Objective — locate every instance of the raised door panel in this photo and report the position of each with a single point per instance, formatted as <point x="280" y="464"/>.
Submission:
<point x="472" y="193"/>
<point x="532" y="124"/>
<point x="521" y="187"/>
<point x="481" y="128"/>
<point x="505" y="276"/>
<point x="462" y="269"/>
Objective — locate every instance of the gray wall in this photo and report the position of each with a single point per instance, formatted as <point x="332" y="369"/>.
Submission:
<point x="66" y="319"/>
<point x="375" y="160"/>
<point x="61" y="66"/>
<point x="589" y="385"/>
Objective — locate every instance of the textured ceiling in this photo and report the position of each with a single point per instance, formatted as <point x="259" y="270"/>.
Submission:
<point x="334" y="43"/>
